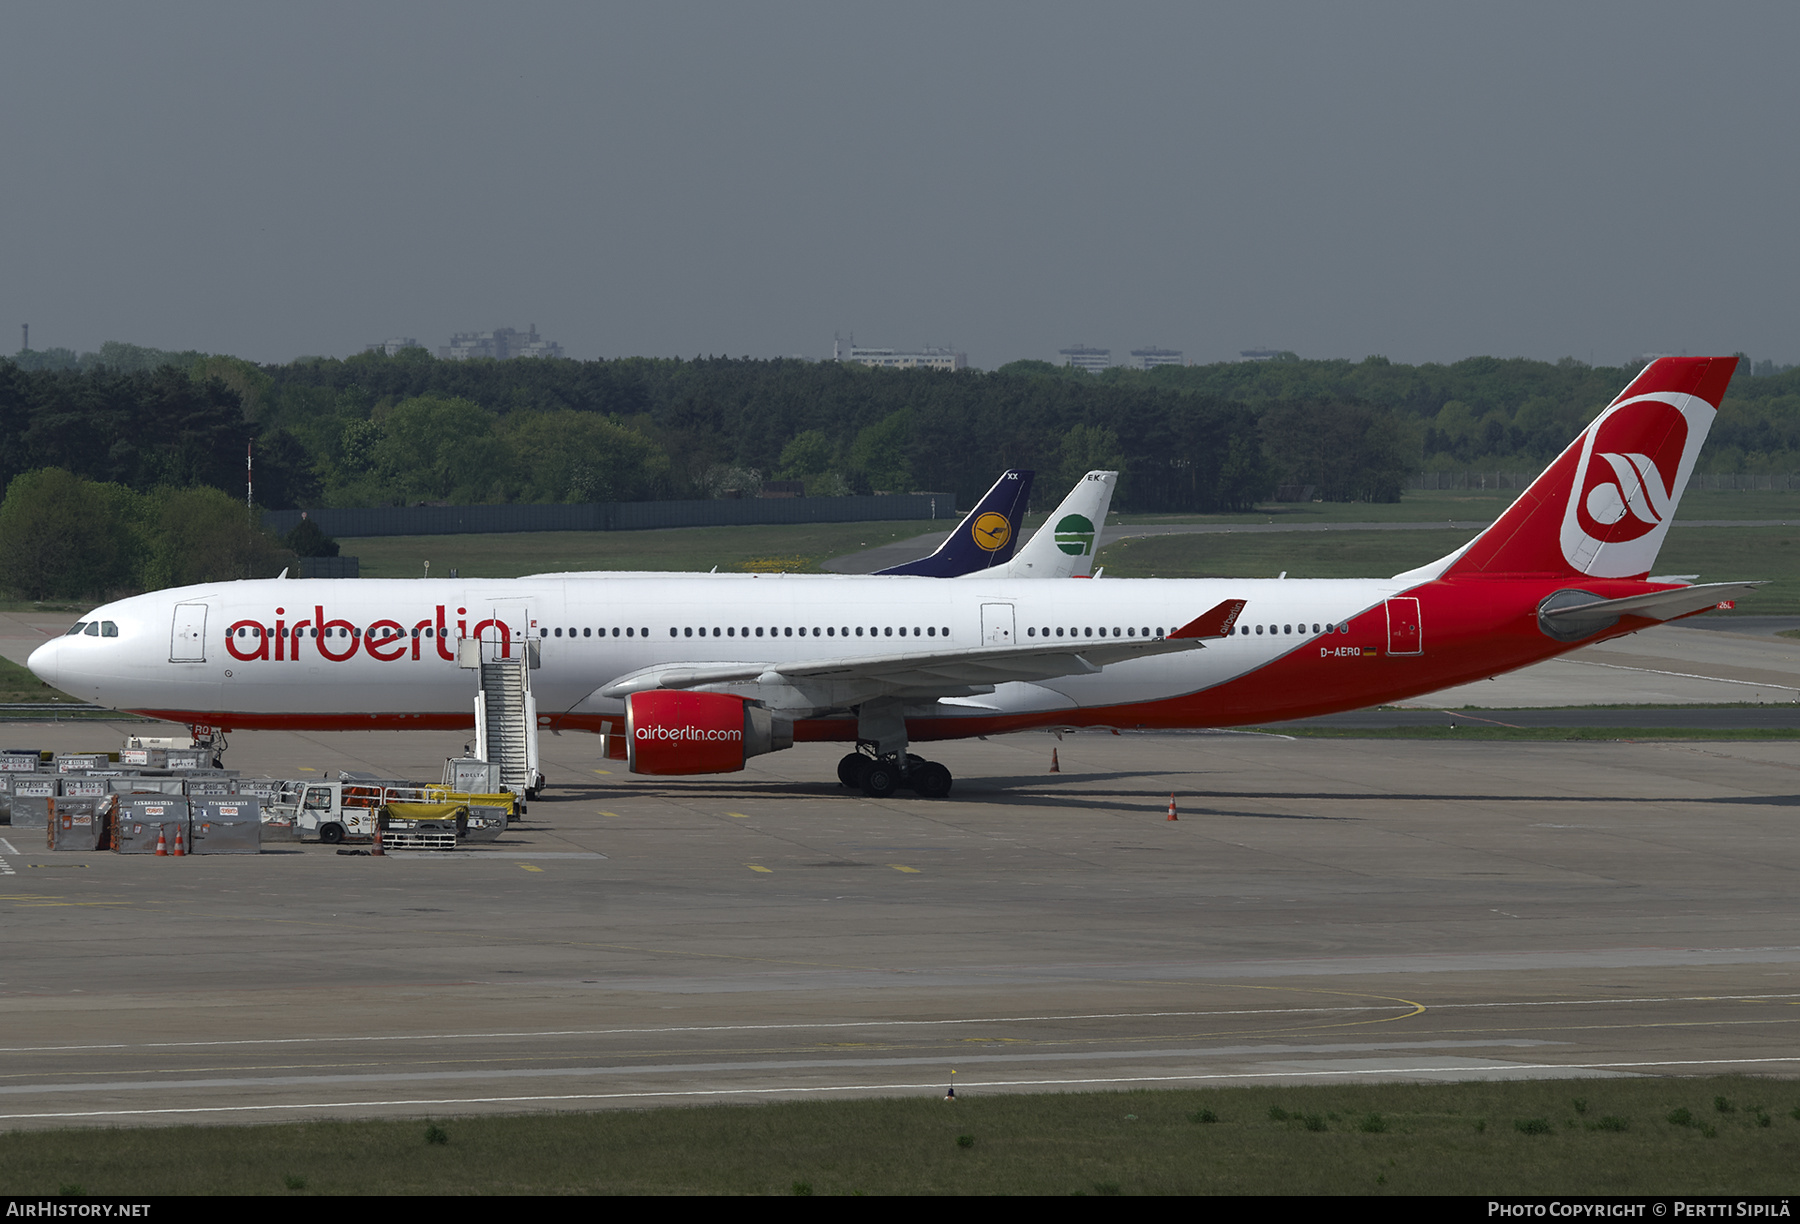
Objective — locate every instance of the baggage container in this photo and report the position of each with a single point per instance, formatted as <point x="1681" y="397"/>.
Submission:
<point x="140" y="816"/>
<point x="79" y="824"/>
<point x="229" y="825"/>
<point x="31" y="795"/>
<point x="137" y="784"/>
<point x="485" y="823"/>
<point x="150" y="758"/>
<point x="210" y="787"/>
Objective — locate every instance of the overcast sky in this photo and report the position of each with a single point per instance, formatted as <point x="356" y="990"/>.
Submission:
<point x="1427" y="182"/>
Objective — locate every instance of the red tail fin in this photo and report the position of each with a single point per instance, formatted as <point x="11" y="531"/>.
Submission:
<point x="1605" y="504"/>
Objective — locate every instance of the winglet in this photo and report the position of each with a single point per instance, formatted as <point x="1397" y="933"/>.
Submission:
<point x="1214" y="623"/>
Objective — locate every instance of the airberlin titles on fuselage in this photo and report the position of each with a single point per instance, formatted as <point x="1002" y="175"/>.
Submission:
<point x="385" y="640"/>
<point x="389" y="641"/>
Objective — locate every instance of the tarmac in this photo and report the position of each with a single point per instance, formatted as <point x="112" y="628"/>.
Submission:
<point x="1321" y="910"/>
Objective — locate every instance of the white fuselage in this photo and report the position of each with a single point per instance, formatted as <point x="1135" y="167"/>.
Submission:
<point x="389" y="646"/>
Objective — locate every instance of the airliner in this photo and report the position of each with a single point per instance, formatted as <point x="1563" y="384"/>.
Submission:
<point x="696" y="674"/>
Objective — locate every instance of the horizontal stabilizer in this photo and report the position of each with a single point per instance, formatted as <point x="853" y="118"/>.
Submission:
<point x="1569" y="615"/>
<point x="1657" y="605"/>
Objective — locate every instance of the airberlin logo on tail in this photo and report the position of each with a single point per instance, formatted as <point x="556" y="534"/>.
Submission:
<point x="1634" y="462"/>
<point x="1636" y="490"/>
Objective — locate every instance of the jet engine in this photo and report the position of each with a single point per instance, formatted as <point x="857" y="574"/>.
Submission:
<point x="672" y="732"/>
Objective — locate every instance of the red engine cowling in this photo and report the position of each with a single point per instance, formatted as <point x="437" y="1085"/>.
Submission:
<point x="671" y="732"/>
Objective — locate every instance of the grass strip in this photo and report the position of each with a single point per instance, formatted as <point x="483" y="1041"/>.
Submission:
<point x="1630" y="1135"/>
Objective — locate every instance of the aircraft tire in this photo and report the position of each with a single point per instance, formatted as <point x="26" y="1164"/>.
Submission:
<point x="331" y="834"/>
<point x="880" y="779"/>
<point x="850" y="767"/>
<point x="931" y="780"/>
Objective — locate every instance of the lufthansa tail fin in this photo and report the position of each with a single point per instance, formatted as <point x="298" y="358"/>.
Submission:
<point x="1604" y="506"/>
<point x="1064" y="546"/>
<point x="985" y="538"/>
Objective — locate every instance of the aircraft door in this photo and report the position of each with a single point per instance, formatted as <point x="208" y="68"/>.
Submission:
<point x="997" y="624"/>
<point x="1405" y="636"/>
<point x="507" y="628"/>
<point x="187" y="635"/>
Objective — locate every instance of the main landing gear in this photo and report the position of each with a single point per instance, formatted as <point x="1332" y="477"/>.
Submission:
<point x="880" y="776"/>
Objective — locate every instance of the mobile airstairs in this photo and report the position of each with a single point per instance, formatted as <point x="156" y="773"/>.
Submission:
<point x="506" y="725"/>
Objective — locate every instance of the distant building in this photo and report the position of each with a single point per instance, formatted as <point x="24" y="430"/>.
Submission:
<point x="502" y="344"/>
<point x="1259" y="354"/>
<point x="1093" y="360"/>
<point x="926" y="358"/>
<point x="1150" y="358"/>
<point x="392" y="345"/>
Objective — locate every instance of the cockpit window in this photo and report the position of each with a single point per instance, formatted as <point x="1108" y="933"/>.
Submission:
<point x="93" y="629"/>
<point x="79" y="626"/>
<point x="108" y="629"/>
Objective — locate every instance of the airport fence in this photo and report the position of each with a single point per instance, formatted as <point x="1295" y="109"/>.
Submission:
<point x="614" y="516"/>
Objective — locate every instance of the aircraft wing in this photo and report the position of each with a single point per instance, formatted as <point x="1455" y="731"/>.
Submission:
<point x="922" y="673"/>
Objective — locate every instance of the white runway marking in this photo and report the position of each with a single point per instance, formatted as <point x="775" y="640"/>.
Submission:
<point x="345" y="1039"/>
<point x="1386" y="1072"/>
<point x="1653" y="671"/>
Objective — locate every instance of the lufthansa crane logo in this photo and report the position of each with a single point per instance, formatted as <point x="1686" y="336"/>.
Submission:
<point x="991" y="532"/>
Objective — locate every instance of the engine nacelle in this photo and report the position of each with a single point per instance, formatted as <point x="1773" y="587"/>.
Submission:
<point x="671" y="732"/>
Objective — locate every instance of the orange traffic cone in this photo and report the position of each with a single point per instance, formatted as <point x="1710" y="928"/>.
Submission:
<point x="180" y="850"/>
<point x="1054" y="767"/>
<point x="377" y="851"/>
<point x="162" y="843"/>
<point x="1171" y="807"/>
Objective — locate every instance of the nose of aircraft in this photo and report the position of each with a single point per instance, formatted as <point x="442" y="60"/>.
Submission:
<point x="43" y="663"/>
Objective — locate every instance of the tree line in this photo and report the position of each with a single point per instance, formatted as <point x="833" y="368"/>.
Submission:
<point x="132" y="422"/>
